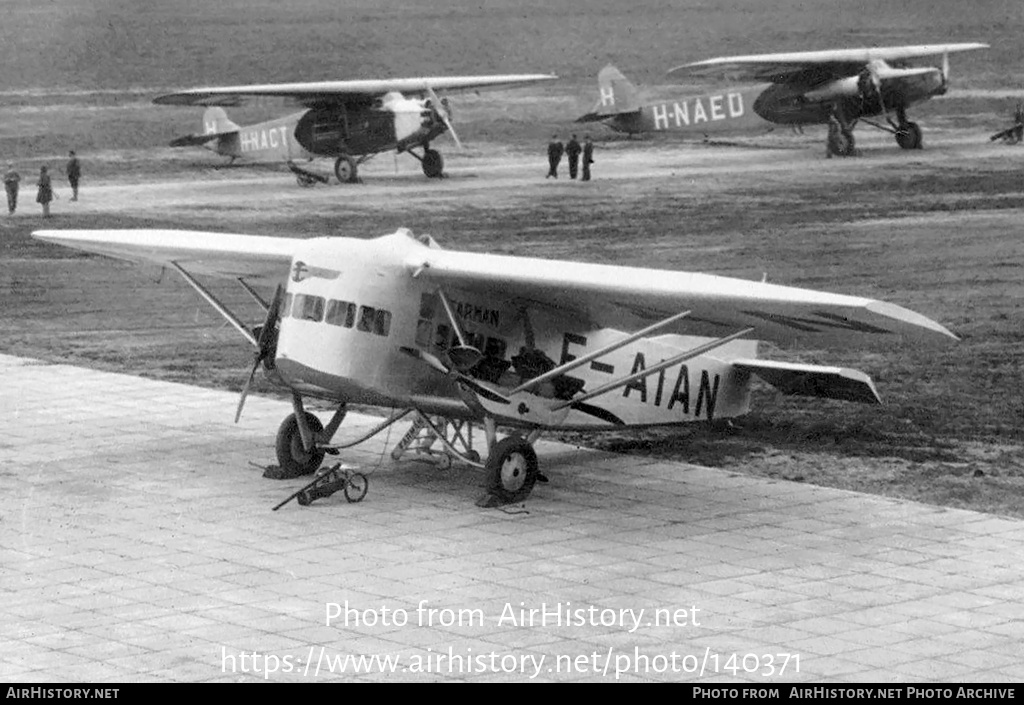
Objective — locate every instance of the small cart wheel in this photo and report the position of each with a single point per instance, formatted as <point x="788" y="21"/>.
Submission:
<point x="356" y="487"/>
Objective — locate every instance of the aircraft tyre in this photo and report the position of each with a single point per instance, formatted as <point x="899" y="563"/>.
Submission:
<point x="909" y="136"/>
<point x="433" y="164"/>
<point x="841" y="143"/>
<point x="345" y="170"/>
<point x="511" y="469"/>
<point x="291" y="456"/>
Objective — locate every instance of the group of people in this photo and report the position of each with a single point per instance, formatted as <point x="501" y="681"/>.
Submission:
<point x="44" y="186"/>
<point x="572" y="150"/>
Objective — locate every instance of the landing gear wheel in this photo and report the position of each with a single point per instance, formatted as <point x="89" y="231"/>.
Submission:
<point x="511" y="470"/>
<point x="444" y="462"/>
<point x="433" y="164"/>
<point x="356" y="487"/>
<point x="305" y="181"/>
<point x="291" y="456"/>
<point x="841" y="144"/>
<point x="345" y="170"/>
<point x="909" y="136"/>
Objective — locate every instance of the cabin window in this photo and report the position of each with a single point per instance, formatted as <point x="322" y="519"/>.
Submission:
<point x="341" y="313"/>
<point x="308" y="308"/>
<point x="382" y="324"/>
<point x="367" y="316"/>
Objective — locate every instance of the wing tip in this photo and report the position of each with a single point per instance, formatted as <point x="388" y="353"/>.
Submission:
<point x="918" y="323"/>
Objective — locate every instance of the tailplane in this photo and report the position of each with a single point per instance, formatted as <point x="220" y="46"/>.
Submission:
<point x="215" y="124"/>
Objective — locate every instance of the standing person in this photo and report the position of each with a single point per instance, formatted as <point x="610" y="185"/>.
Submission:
<point x="74" y="172"/>
<point x="588" y="157"/>
<point x="11" y="180"/>
<point x="45" y="193"/>
<point x="572" y="150"/>
<point x="555" y="150"/>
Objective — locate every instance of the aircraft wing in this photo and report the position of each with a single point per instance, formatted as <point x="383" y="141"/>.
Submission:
<point x="804" y="66"/>
<point x="257" y="259"/>
<point x="328" y="93"/>
<point x="629" y="298"/>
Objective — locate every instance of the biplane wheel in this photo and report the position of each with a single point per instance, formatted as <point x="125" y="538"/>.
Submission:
<point x="841" y="143"/>
<point x="909" y="136"/>
<point x="291" y="456"/>
<point x="345" y="170"/>
<point x="444" y="462"/>
<point x="433" y="164"/>
<point x="356" y="487"/>
<point x="511" y="469"/>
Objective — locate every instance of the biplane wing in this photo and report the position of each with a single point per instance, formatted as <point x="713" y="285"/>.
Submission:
<point x="329" y="93"/>
<point x="630" y="298"/>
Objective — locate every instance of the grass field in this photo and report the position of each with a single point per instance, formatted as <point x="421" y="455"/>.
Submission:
<point x="938" y="234"/>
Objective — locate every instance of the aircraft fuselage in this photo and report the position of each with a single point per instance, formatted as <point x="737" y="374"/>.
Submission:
<point x="353" y="305"/>
<point x="761" y="107"/>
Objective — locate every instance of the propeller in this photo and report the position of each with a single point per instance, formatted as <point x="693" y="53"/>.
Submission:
<point x="441" y="109"/>
<point x="945" y="71"/>
<point x="266" y="342"/>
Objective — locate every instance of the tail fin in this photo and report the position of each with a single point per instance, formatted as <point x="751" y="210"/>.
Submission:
<point x="215" y="122"/>
<point x="618" y="95"/>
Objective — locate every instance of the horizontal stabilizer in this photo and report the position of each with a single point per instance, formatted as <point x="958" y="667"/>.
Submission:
<point x="813" y="380"/>
<point x="192" y="140"/>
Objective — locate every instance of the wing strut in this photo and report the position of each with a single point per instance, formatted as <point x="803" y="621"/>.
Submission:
<point x="221" y="308"/>
<point x="664" y="364"/>
<point x="463" y="356"/>
<point x="580" y="361"/>
<point x="254" y="294"/>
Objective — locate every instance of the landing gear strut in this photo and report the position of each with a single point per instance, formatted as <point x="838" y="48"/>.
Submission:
<point x="431" y="161"/>
<point x="908" y="134"/>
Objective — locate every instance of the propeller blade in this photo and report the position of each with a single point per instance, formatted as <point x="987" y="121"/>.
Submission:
<point x="442" y="113"/>
<point x="945" y="69"/>
<point x="245" y="391"/>
<point x="265" y="343"/>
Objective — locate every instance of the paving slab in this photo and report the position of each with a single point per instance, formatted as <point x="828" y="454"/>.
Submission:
<point x="137" y="543"/>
